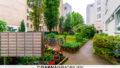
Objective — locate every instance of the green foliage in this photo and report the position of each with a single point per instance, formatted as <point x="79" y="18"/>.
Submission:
<point x="22" y="27"/>
<point x="72" y="20"/>
<point x="61" y="20"/>
<point x="117" y="51"/>
<point x="51" y="13"/>
<point x="48" y="55"/>
<point x="35" y="15"/>
<point x="67" y="26"/>
<point x="71" y="45"/>
<point x="46" y="33"/>
<point x="106" y="46"/>
<point x="76" y="19"/>
<point x="27" y="60"/>
<point x="105" y="41"/>
<point x="1" y="60"/>
<point x="51" y="35"/>
<point x="86" y="31"/>
<point x="65" y="35"/>
<point x="3" y="26"/>
<point x="79" y="37"/>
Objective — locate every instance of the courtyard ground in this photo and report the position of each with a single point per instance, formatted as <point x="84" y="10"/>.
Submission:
<point x="85" y="56"/>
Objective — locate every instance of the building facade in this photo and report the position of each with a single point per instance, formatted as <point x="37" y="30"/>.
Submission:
<point x="67" y="8"/>
<point x="94" y="15"/>
<point x="107" y="16"/>
<point x="90" y="20"/>
<point x="13" y="12"/>
<point x="112" y="16"/>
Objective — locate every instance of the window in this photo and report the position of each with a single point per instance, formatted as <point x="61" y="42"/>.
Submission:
<point x="27" y="17"/>
<point x="99" y="9"/>
<point x="27" y="24"/>
<point x="31" y="26"/>
<point x="65" y="8"/>
<point x="118" y="20"/>
<point x="98" y="16"/>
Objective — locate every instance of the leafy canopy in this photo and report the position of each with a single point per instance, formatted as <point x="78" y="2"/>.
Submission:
<point x="51" y="13"/>
<point x="76" y="19"/>
<point x="22" y="27"/>
<point x="35" y="15"/>
<point x="3" y="26"/>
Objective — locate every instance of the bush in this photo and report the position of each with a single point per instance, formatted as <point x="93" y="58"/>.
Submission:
<point x="28" y="60"/>
<point x="71" y="45"/>
<point x="46" y="33"/>
<point x="79" y="38"/>
<point x="86" y="31"/>
<point x="22" y="27"/>
<point x="3" y="26"/>
<point x="106" y="46"/>
<point x="51" y="35"/>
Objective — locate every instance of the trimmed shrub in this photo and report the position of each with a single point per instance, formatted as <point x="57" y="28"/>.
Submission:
<point x="86" y="31"/>
<point x="105" y="46"/>
<point x="71" y="45"/>
<point x="79" y="38"/>
<point x="51" y="35"/>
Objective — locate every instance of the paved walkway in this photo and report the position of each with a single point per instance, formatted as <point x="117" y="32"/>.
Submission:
<point x="85" y="56"/>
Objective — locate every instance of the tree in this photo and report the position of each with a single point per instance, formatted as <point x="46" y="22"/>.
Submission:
<point x="61" y="22"/>
<point x="76" y="19"/>
<point x="35" y="15"/>
<point x="51" y="13"/>
<point x="22" y="27"/>
<point x="86" y="31"/>
<point x="67" y="26"/>
<point x="3" y="26"/>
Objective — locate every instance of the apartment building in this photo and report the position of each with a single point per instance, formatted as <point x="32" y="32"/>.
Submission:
<point x="67" y="8"/>
<point x="107" y="16"/>
<point x="13" y="12"/>
<point x="111" y="16"/>
<point x="94" y="15"/>
<point x="90" y="20"/>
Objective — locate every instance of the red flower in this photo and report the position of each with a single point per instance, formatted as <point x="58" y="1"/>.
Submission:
<point x="51" y="62"/>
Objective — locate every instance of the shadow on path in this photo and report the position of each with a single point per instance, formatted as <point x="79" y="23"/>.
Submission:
<point x="85" y="56"/>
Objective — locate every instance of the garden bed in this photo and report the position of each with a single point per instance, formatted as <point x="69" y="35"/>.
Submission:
<point x="53" y="57"/>
<point x="70" y="44"/>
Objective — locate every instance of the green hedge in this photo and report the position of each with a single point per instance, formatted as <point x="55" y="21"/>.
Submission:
<point x="105" y="46"/>
<point x="71" y="44"/>
<point x="72" y="47"/>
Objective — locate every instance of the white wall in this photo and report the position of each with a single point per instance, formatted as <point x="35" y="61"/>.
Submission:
<point x="111" y="6"/>
<point x="90" y="14"/>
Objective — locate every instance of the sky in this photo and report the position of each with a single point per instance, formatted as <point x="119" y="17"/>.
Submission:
<point x="79" y="6"/>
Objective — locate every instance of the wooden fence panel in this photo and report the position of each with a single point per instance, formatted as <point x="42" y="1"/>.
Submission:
<point x="20" y="44"/>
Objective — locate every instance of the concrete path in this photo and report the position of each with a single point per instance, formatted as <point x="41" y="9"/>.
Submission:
<point x="85" y="56"/>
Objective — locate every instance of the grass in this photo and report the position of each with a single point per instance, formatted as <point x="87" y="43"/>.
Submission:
<point x="71" y="41"/>
<point x="70" y="38"/>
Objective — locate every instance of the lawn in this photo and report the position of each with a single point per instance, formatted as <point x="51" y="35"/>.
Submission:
<point x="71" y="42"/>
<point x="69" y="38"/>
